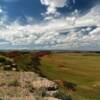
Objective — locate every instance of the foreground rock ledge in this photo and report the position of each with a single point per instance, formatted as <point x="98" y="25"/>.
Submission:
<point x="26" y="86"/>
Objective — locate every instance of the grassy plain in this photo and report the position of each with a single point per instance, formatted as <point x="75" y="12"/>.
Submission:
<point x="82" y="69"/>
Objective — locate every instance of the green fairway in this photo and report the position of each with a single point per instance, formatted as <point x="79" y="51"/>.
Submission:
<point x="79" y="68"/>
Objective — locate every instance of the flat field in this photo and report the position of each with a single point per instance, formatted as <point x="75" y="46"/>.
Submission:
<point x="82" y="69"/>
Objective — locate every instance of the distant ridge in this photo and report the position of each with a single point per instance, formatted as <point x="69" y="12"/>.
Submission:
<point x="56" y="51"/>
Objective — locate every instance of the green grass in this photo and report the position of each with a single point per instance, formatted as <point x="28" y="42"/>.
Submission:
<point x="81" y="69"/>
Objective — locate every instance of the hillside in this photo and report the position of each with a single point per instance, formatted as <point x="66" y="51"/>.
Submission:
<point x="21" y="79"/>
<point x="26" y="86"/>
<point x="75" y="73"/>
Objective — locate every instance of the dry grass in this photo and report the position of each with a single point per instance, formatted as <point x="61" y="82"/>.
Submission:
<point x="83" y="69"/>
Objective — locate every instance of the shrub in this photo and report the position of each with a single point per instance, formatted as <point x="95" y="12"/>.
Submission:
<point x="2" y="60"/>
<point x="7" y="62"/>
<point x="33" y="64"/>
<point x="41" y="92"/>
<point x="31" y="88"/>
<point x="62" y="96"/>
<point x="14" y="83"/>
<point x="28" y="63"/>
<point x="70" y="86"/>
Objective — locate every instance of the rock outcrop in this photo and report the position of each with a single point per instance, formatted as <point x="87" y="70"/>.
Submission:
<point x="26" y="86"/>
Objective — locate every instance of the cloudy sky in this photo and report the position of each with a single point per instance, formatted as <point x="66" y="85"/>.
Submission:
<point x="50" y="24"/>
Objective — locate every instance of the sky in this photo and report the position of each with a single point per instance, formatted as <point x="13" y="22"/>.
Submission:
<point x="50" y="24"/>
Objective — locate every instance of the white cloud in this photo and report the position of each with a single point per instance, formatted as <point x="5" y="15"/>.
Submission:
<point x="64" y="32"/>
<point x="52" y="6"/>
<point x="1" y="10"/>
<point x="3" y="17"/>
<point x="55" y="3"/>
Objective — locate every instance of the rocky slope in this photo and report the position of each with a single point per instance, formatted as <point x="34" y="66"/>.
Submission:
<point x="26" y="86"/>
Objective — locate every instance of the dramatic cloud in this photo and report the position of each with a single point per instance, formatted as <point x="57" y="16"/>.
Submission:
<point x="67" y="32"/>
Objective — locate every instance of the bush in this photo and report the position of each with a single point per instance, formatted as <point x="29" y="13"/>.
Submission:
<point x="70" y="86"/>
<point x="28" y="62"/>
<point x="14" y="83"/>
<point x="7" y="62"/>
<point x="2" y="60"/>
<point x="7" y="67"/>
<point x="33" y="64"/>
<point x="31" y="88"/>
<point x="62" y="96"/>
